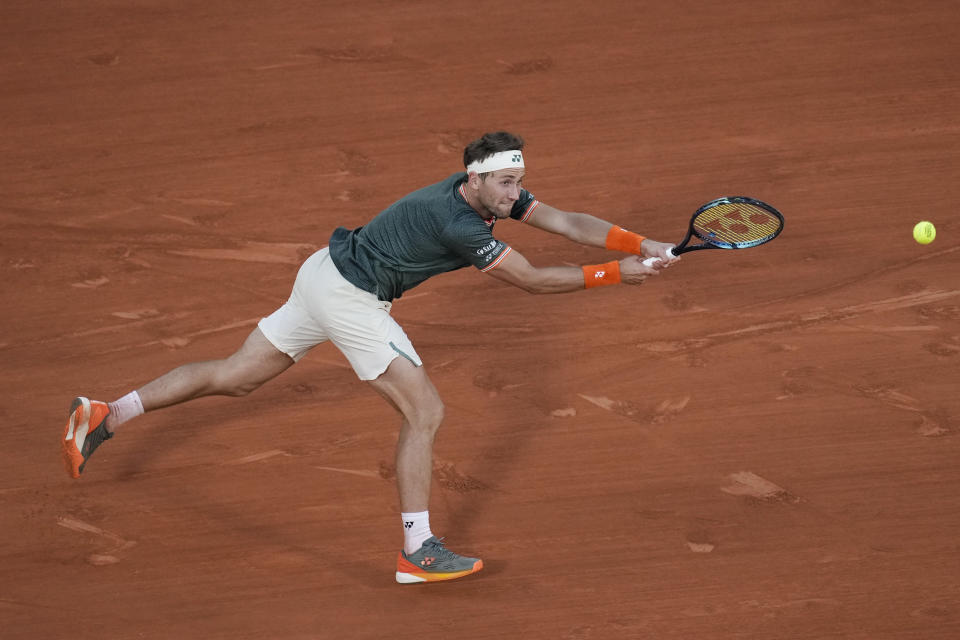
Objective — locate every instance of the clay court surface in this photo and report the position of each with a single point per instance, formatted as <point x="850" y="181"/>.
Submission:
<point x="756" y="444"/>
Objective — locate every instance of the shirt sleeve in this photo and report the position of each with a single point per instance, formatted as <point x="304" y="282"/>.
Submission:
<point x="524" y="206"/>
<point x="475" y="244"/>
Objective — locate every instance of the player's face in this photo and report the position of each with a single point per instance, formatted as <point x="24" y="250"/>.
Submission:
<point x="499" y="191"/>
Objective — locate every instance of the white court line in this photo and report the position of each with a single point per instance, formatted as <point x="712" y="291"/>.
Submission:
<point x="354" y="472"/>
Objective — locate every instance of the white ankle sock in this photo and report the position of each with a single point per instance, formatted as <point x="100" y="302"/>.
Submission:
<point x="416" y="529"/>
<point x="126" y="408"/>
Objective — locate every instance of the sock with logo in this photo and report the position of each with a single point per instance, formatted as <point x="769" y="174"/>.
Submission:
<point x="416" y="529"/>
<point x="126" y="408"/>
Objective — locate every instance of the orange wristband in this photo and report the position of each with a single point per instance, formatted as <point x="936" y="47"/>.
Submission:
<point x="598" y="275"/>
<point x="619" y="239"/>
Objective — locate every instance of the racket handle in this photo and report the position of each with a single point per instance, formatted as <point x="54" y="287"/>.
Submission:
<point x="649" y="262"/>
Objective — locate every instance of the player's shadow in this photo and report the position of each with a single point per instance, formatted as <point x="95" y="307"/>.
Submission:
<point x="464" y="499"/>
<point x="162" y="436"/>
<point x="162" y="452"/>
<point x="162" y="449"/>
<point x="272" y="538"/>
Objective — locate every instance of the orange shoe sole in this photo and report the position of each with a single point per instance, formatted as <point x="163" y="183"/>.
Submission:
<point x="409" y="573"/>
<point x="83" y="414"/>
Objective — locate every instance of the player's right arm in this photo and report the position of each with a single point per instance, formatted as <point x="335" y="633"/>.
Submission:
<point x="594" y="232"/>
<point x="516" y="270"/>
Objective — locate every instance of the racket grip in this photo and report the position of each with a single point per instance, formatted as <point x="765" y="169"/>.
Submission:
<point x="649" y="262"/>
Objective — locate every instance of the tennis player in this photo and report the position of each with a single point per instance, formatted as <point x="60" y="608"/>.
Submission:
<point x="343" y="293"/>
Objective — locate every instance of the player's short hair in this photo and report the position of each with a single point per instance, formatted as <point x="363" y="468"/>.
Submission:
<point x="489" y="144"/>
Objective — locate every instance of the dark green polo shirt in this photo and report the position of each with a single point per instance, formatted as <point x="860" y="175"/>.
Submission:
<point x="432" y="230"/>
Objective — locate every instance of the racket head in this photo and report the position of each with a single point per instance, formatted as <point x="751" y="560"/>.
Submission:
<point x="735" y="222"/>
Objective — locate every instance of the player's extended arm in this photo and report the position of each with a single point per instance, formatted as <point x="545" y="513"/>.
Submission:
<point x="594" y="232"/>
<point x="516" y="270"/>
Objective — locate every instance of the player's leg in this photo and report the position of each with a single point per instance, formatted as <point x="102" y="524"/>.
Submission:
<point x="279" y="340"/>
<point x="408" y="388"/>
<point x="380" y="352"/>
<point x="91" y="422"/>
<point x="424" y="558"/>
<point x="253" y="364"/>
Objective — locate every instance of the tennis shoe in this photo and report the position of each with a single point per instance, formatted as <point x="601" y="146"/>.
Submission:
<point x="81" y="437"/>
<point x="433" y="562"/>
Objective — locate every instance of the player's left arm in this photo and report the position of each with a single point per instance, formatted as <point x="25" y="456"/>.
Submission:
<point x="594" y="232"/>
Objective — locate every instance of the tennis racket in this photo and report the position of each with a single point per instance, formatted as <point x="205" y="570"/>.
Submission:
<point x="737" y="222"/>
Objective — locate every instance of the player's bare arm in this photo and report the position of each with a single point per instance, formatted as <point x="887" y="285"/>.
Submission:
<point x="516" y="270"/>
<point x="594" y="232"/>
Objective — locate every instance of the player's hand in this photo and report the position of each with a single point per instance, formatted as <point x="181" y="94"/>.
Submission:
<point x="654" y="249"/>
<point x="633" y="271"/>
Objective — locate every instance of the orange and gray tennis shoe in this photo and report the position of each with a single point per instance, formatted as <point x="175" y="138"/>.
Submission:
<point x="81" y="437"/>
<point x="433" y="562"/>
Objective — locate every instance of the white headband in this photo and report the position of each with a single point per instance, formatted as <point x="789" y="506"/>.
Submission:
<point x="502" y="160"/>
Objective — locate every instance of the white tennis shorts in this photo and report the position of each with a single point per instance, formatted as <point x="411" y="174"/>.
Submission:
<point x="325" y="306"/>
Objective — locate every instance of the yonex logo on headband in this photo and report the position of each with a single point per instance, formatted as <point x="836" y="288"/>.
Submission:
<point x="512" y="159"/>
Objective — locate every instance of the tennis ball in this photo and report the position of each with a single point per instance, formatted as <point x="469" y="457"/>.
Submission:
<point x="924" y="232"/>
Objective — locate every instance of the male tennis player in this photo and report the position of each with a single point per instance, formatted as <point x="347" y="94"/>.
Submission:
<point x="343" y="293"/>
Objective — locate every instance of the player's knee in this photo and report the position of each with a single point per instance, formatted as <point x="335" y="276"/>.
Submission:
<point x="437" y="413"/>
<point x="429" y="416"/>
<point x="234" y="383"/>
<point x="240" y="389"/>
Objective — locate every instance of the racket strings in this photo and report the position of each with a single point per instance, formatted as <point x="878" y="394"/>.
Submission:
<point x="736" y="224"/>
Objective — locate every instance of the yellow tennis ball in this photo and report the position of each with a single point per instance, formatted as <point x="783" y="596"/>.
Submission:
<point x="924" y="232"/>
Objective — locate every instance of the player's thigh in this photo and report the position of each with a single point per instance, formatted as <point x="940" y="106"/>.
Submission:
<point x="293" y="329"/>
<point x="256" y="361"/>
<point x="409" y="389"/>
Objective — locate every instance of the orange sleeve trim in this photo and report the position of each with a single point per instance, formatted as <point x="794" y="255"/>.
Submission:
<point x="497" y="261"/>
<point x="598" y="275"/>
<point x="619" y="239"/>
<point x="526" y="214"/>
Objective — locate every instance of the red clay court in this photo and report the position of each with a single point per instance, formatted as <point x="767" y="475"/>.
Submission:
<point x="756" y="444"/>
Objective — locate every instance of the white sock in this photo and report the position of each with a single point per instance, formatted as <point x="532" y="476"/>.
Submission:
<point x="126" y="408"/>
<point x="416" y="529"/>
